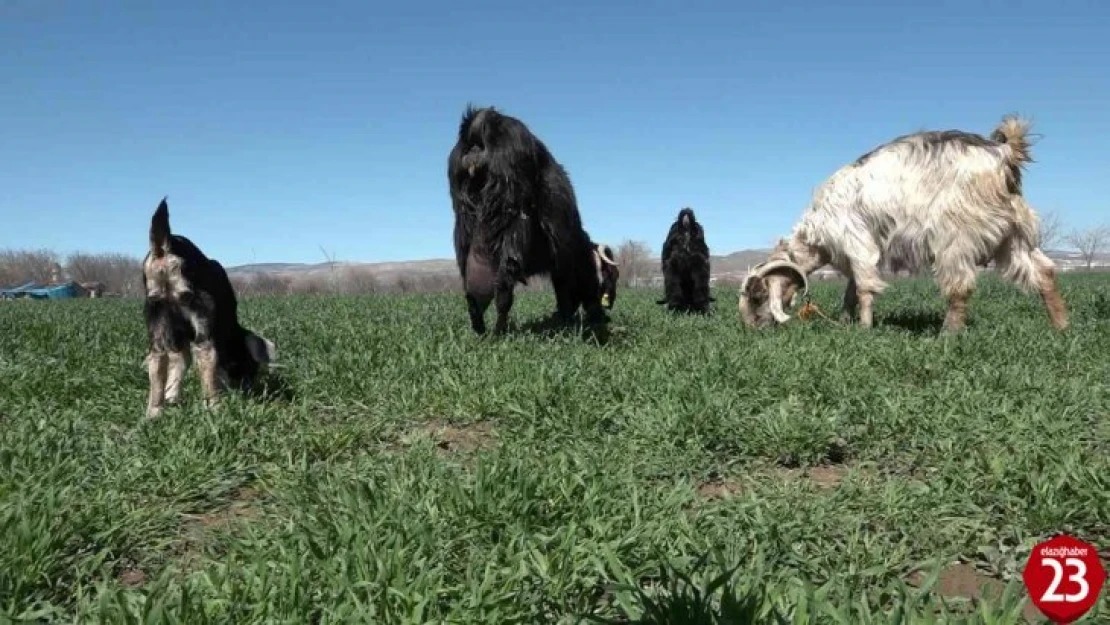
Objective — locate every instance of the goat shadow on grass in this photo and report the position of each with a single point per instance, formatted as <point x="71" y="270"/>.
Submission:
<point x="916" y="322"/>
<point x="1102" y="306"/>
<point x="552" y="326"/>
<point x="272" y="387"/>
<point x="683" y="311"/>
<point x="682" y="601"/>
<point x="688" y="610"/>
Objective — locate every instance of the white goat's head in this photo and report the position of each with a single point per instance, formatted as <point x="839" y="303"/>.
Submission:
<point x="770" y="288"/>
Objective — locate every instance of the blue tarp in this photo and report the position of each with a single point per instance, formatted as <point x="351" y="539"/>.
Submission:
<point x="36" y="291"/>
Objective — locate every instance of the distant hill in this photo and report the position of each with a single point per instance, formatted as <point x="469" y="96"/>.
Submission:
<point x="730" y="263"/>
<point x="381" y="271"/>
<point x="736" y="263"/>
<point x="273" y="268"/>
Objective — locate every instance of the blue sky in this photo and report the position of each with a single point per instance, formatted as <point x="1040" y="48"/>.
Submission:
<point x="279" y="128"/>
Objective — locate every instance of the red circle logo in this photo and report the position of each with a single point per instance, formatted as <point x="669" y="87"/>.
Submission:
<point x="1064" y="578"/>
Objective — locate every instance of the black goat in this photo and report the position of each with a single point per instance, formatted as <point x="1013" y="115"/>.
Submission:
<point x="516" y="216"/>
<point x="686" y="266"/>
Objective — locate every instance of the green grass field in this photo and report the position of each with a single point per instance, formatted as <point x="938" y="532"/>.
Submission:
<point x="412" y="472"/>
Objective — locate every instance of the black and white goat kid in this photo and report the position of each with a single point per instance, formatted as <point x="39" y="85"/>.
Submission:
<point x="190" y="306"/>
<point x="686" y="266"/>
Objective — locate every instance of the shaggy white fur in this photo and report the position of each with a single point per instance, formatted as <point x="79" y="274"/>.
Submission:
<point x="951" y="200"/>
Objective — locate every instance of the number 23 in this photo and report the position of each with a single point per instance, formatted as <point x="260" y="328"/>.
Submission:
<point x="1080" y="577"/>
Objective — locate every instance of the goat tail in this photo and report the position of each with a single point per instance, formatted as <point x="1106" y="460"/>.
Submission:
<point x="1024" y="263"/>
<point x="1013" y="132"/>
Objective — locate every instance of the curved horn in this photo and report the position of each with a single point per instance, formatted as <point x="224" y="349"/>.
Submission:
<point x="774" y="302"/>
<point x="783" y="268"/>
<point x="787" y="267"/>
<point x="601" y="247"/>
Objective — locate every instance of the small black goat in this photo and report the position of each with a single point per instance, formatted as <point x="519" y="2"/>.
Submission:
<point x="190" y="306"/>
<point x="686" y="266"/>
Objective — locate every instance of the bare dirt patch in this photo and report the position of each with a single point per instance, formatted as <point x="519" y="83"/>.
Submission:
<point x="963" y="581"/>
<point x="451" y="439"/>
<point x="827" y="477"/>
<point x="824" y="477"/>
<point x="131" y="576"/>
<point x="243" y="505"/>
<point x="197" y="529"/>
<point x="718" y="489"/>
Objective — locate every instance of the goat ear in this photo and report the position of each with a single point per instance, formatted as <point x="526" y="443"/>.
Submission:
<point x="160" y="230"/>
<point x="262" y="350"/>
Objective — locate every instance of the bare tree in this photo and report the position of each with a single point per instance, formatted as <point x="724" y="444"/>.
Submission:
<point x="116" y="273"/>
<point x="404" y="284"/>
<point x="241" y="285"/>
<point x="270" y="284"/>
<point x="120" y="274"/>
<point x="634" y="258"/>
<point x="433" y="283"/>
<point x="1051" y="230"/>
<point x="1090" y="242"/>
<point x="357" y="280"/>
<point x="309" y="285"/>
<point x="18" y="267"/>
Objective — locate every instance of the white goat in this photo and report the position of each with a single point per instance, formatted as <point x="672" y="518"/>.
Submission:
<point x="950" y="199"/>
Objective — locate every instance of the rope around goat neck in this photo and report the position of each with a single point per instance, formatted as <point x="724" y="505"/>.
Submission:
<point x="809" y="310"/>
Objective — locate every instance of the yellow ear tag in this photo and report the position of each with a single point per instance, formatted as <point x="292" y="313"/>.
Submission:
<point x="604" y="299"/>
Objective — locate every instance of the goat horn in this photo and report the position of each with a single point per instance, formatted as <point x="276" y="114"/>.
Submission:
<point x="799" y="275"/>
<point x="604" y="256"/>
<point x="774" y="302"/>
